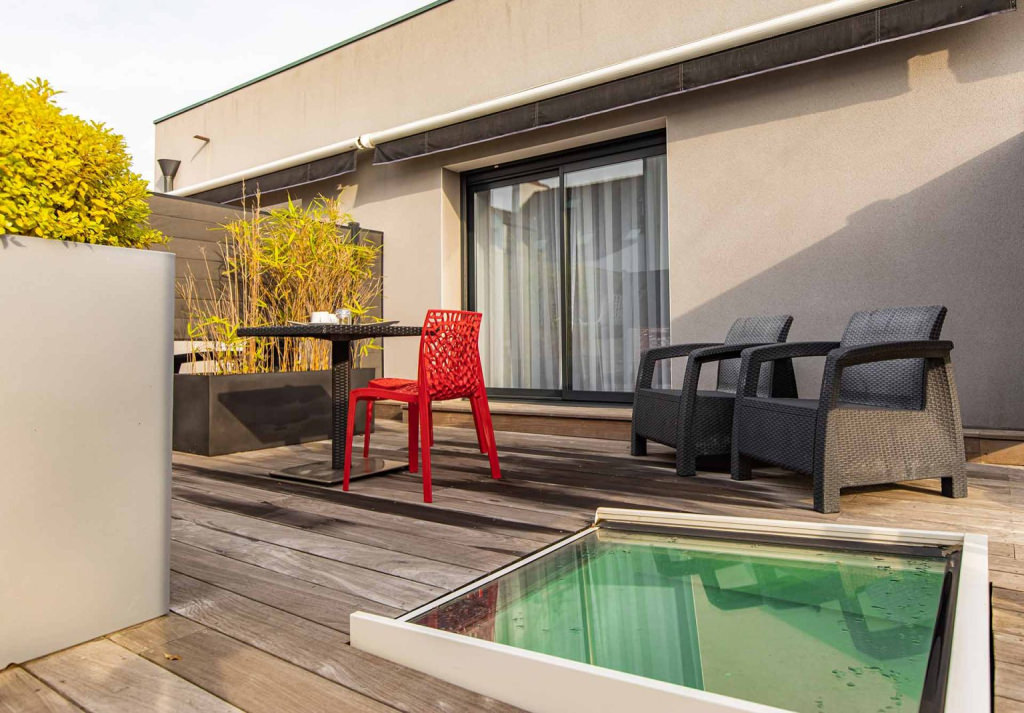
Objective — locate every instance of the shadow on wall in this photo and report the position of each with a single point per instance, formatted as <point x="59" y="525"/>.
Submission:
<point x="957" y="240"/>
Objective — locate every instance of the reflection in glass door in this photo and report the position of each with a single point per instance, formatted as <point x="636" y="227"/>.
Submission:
<point x="618" y="257"/>
<point x="518" y="284"/>
<point x="569" y="265"/>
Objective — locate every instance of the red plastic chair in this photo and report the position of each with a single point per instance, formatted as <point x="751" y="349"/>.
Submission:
<point x="449" y="368"/>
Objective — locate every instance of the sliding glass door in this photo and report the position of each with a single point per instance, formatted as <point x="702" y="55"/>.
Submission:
<point x="569" y="265"/>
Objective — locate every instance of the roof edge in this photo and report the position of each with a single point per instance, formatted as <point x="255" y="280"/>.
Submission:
<point x="291" y="65"/>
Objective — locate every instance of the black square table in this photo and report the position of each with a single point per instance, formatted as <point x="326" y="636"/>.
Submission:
<point x="341" y="337"/>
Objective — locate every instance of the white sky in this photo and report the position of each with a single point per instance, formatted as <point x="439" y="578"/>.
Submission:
<point x="126" y="62"/>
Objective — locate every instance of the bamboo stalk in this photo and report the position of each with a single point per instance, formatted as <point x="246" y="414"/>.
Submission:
<point x="279" y="267"/>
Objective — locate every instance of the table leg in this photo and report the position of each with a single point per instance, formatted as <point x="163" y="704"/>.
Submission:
<point x="341" y="383"/>
<point x="318" y="472"/>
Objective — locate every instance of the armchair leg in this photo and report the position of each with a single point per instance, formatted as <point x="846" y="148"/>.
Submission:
<point x="742" y="466"/>
<point x="686" y="463"/>
<point x="955" y="486"/>
<point x="826" y="495"/>
<point x="638" y="445"/>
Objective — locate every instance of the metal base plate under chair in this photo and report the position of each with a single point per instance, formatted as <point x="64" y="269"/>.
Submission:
<point x="323" y="474"/>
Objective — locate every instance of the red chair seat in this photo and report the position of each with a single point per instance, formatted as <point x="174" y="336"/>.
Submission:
<point x="404" y="385"/>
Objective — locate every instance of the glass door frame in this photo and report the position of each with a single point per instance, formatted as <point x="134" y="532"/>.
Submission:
<point x="549" y="166"/>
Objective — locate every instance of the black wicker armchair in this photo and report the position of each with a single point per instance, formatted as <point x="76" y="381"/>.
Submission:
<point x="698" y="423"/>
<point x="887" y="411"/>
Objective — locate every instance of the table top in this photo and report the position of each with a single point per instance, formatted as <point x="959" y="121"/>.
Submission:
<point x="336" y="332"/>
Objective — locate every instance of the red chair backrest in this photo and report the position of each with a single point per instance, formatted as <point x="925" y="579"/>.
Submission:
<point x="449" y="365"/>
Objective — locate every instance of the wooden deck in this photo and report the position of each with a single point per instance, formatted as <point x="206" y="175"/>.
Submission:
<point x="266" y="573"/>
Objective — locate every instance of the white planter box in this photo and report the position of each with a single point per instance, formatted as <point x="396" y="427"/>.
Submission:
<point x="85" y="434"/>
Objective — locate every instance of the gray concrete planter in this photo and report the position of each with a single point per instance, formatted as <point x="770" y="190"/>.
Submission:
<point x="85" y="441"/>
<point x="216" y="414"/>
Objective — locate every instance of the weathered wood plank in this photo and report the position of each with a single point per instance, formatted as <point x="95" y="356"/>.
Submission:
<point x="154" y="633"/>
<point x="1008" y="647"/>
<point x="491" y="535"/>
<point x="418" y="569"/>
<point x="1010" y="565"/>
<point x="1008" y="705"/>
<point x="103" y="677"/>
<point x="354" y="528"/>
<point x="21" y="692"/>
<point x="514" y="525"/>
<point x="1010" y="599"/>
<point x="321" y="650"/>
<point x="255" y="681"/>
<point x="716" y="493"/>
<point x="365" y="583"/>
<point x="320" y="604"/>
<point x="1007" y="580"/>
<point x="772" y="487"/>
<point x="1010" y="680"/>
<point x="402" y="488"/>
<point x="1007" y="621"/>
<point x="479" y="519"/>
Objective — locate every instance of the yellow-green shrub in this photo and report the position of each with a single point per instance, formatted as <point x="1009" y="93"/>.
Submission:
<point x="63" y="177"/>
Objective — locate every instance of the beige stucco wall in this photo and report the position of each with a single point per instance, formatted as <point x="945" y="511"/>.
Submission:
<point x="893" y="175"/>
<point x="459" y="53"/>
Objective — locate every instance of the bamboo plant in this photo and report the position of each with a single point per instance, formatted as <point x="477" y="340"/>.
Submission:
<point x="278" y="267"/>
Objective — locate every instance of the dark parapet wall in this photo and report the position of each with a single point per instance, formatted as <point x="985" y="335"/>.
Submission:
<point x="195" y="232"/>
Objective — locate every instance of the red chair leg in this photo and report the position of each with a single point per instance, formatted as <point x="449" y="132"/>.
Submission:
<point x="414" y="425"/>
<point x="349" y="435"/>
<point x="366" y="428"/>
<point x="474" y="404"/>
<point x="425" y="440"/>
<point x="430" y="418"/>
<point x="488" y="426"/>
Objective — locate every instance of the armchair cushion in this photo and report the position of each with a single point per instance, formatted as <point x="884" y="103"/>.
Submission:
<point x="896" y="384"/>
<point x="764" y="329"/>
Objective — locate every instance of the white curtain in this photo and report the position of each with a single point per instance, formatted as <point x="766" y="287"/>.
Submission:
<point x="518" y="284"/>
<point x="618" y="238"/>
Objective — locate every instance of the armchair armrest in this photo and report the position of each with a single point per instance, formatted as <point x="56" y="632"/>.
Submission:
<point x="675" y="350"/>
<point x="888" y="351"/>
<point x="649" y="358"/>
<point x="723" y="351"/>
<point x="754" y="357"/>
<point x="699" y="357"/>
<point x="839" y="359"/>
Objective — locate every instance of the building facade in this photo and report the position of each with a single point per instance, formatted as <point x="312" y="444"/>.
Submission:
<point x="878" y="163"/>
